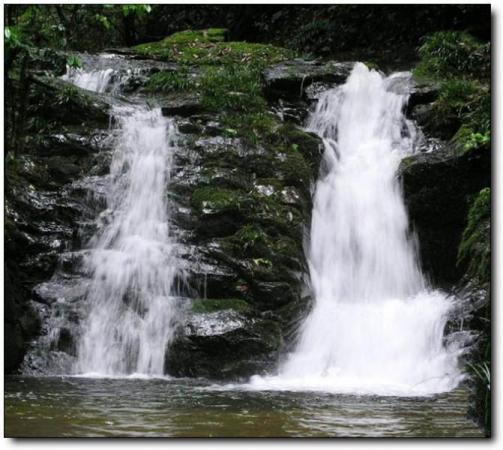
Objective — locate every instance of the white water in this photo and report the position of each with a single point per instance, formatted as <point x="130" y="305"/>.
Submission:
<point x="130" y="302"/>
<point x="96" y="80"/>
<point x="133" y="263"/>
<point x="376" y="327"/>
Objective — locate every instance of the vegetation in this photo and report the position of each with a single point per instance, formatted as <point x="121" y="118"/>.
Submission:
<point x="475" y="247"/>
<point x="208" y="47"/>
<point x="462" y="64"/>
<point x="454" y="54"/>
<point x="171" y="81"/>
<point x="232" y="88"/>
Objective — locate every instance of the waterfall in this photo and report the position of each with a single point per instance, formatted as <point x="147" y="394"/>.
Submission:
<point x="131" y="309"/>
<point x="133" y="264"/>
<point x="376" y="327"/>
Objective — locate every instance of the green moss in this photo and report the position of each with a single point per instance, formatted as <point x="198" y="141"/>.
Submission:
<point x="232" y="88"/>
<point x="475" y="247"/>
<point x="203" y="306"/>
<point x="182" y="38"/>
<point x="250" y="237"/>
<point x="294" y="168"/>
<point x="210" y="200"/>
<point x="206" y="47"/>
<point x="253" y="128"/>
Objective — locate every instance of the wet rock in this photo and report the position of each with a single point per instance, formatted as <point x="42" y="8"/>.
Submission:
<point x="182" y="105"/>
<point x="422" y="92"/>
<point x="62" y="101"/>
<point x="289" y="79"/>
<point x="438" y="187"/>
<point x="65" y="342"/>
<point x="224" y="345"/>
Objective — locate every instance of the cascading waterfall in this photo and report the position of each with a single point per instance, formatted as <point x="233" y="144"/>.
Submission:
<point x="133" y="264"/>
<point x="96" y="80"/>
<point x="375" y="327"/>
<point x="131" y="309"/>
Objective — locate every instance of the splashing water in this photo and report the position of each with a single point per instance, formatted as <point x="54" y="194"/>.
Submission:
<point x="375" y="326"/>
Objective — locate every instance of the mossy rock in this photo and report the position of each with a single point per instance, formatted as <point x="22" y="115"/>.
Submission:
<point x="210" y="305"/>
<point x="67" y="104"/>
<point x="207" y="47"/>
<point x="210" y="200"/>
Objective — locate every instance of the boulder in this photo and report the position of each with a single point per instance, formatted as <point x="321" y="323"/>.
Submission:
<point x="290" y="78"/>
<point x="438" y="187"/>
<point x="223" y="345"/>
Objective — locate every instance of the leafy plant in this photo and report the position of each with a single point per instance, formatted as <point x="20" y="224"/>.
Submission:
<point x="451" y="54"/>
<point x="74" y="62"/>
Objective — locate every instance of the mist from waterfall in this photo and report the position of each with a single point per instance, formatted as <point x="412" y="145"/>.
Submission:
<point x="376" y="327"/>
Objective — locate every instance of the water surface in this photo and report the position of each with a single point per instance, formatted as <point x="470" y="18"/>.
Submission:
<point x="87" y="407"/>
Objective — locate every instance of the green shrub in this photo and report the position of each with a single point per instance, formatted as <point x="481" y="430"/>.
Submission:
<point x="466" y="102"/>
<point x="448" y="54"/>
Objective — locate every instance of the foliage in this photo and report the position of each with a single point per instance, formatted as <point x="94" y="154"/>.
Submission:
<point x="138" y="10"/>
<point x="449" y="54"/>
<point x="467" y="140"/>
<point x="77" y="26"/>
<point x="467" y="103"/>
<point x="74" y="62"/>
<point x="171" y="81"/>
<point x="71" y="94"/>
<point x="475" y="246"/>
<point x="315" y="36"/>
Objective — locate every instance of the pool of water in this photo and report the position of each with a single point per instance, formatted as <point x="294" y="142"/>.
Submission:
<point x="92" y="407"/>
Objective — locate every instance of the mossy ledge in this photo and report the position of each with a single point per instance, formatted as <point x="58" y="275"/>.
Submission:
<point x="204" y="306"/>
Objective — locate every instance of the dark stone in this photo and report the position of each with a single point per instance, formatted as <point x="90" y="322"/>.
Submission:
<point x="422" y="92"/>
<point x="65" y="342"/>
<point x="223" y="345"/>
<point x="61" y="101"/>
<point x="182" y="105"/>
<point x="438" y="187"/>
<point x="289" y="79"/>
<point x="273" y="294"/>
